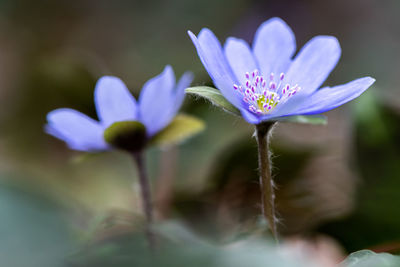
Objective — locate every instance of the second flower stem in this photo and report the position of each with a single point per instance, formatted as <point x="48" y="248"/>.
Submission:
<point x="146" y="196"/>
<point x="263" y="134"/>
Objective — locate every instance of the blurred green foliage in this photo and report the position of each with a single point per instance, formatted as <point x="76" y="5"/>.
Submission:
<point x="376" y="158"/>
<point x="34" y="229"/>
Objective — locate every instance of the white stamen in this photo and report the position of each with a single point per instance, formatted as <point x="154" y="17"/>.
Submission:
<point x="262" y="99"/>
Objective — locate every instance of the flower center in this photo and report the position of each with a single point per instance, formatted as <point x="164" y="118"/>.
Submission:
<point x="263" y="96"/>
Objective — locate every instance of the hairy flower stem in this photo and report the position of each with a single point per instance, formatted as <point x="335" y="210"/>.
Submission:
<point x="263" y="134"/>
<point x="146" y="196"/>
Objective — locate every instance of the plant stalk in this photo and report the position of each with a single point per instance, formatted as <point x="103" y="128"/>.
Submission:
<point x="263" y="135"/>
<point x="147" y="204"/>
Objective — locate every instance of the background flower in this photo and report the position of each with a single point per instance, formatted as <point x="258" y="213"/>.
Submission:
<point x="159" y="102"/>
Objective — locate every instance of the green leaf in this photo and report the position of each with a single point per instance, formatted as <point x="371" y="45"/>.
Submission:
<point x="34" y="228"/>
<point x="181" y="128"/>
<point x="367" y="258"/>
<point x="310" y="119"/>
<point x="177" y="233"/>
<point x="126" y="135"/>
<point x="214" y="96"/>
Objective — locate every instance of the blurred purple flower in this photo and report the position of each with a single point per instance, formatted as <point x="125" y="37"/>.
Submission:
<point x="158" y="104"/>
<point x="265" y="82"/>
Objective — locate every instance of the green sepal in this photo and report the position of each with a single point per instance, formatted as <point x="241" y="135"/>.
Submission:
<point x="214" y="96"/>
<point x="126" y="135"/>
<point x="181" y="128"/>
<point x="310" y="119"/>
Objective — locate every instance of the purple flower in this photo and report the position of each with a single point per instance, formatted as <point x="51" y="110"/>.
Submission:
<point x="266" y="82"/>
<point x="158" y="104"/>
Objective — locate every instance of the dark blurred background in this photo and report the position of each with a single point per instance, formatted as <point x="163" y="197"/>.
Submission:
<point x="340" y="181"/>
